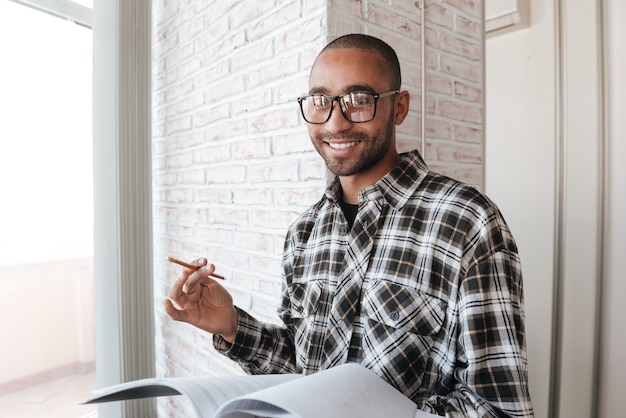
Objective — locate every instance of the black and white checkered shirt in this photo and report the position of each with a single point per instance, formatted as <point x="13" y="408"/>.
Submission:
<point x="425" y="289"/>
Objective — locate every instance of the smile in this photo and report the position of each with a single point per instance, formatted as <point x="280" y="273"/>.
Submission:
<point x="343" y="145"/>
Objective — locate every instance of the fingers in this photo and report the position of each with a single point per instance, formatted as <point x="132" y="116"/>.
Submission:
<point x="177" y="293"/>
<point x="171" y="310"/>
<point x="197" y="279"/>
<point x="200" y="262"/>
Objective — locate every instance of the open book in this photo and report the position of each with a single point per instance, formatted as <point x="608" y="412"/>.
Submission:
<point x="349" y="390"/>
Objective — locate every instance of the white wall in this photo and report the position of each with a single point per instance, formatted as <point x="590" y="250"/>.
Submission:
<point x="554" y="167"/>
<point x="520" y="168"/>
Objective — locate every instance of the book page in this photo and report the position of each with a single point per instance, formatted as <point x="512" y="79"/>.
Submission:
<point x="349" y="390"/>
<point x="206" y="394"/>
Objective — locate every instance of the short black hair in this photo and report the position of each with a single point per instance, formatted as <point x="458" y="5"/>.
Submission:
<point x="373" y="44"/>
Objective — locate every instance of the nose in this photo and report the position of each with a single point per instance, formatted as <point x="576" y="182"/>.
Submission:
<point x="337" y="121"/>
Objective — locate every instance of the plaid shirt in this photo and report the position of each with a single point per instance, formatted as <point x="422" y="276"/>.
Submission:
<point x="425" y="289"/>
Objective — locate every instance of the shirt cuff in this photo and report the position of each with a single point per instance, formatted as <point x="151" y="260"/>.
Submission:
<point x="247" y="338"/>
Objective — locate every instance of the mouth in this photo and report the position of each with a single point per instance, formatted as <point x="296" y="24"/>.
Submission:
<point x="342" y="145"/>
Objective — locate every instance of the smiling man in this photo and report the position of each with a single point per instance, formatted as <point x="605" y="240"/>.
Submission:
<point x="412" y="274"/>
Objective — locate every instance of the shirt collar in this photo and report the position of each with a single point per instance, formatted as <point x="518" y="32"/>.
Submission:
<point x="396" y="187"/>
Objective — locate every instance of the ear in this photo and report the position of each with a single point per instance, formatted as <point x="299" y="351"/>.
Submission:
<point x="402" y="106"/>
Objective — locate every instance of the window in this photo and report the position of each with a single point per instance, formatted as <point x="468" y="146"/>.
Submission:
<point x="46" y="216"/>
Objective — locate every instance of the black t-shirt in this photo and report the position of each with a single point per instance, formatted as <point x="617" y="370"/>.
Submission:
<point x="349" y="211"/>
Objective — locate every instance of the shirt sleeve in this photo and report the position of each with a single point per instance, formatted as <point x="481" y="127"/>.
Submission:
<point x="491" y="373"/>
<point x="259" y="348"/>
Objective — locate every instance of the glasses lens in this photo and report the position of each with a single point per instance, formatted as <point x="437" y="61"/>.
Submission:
<point x="316" y="108"/>
<point x="358" y="107"/>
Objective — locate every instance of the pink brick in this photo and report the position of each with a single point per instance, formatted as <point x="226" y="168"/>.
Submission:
<point x="212" y="154"/>
<point x="300" y="196"/>
<point x="274" y="19"/>
<point x="255" y="148"/>
<point x="440" y="14"/>
<point x="349" y="7"/>
<point x="438" y="128"/>
<point x="292" y="143"/>
<point x="226" y="216"/>
<point x="468" y="92"/>
<point x="438" y="83"/>
<point x="205" y="115"/>
<point x="313" y="169"/>
<point x="230" y="174"/>
<point x="471" y="7"/>
<point x="277" y="171"/>
<point x="468" y="27"/>
<point x="178" y="160"/>
<point x="460" y="46"/>
<point x="468" y="133"/>
<point x="406" y="24"/>
<point x="256" y="241"/>
<point x="465" y="112"/>
<point x="213" y="195"/>
<point x="455" y="153"/>
<point x="176" y="125"/>
<point x="469" y="70"/>
<point x="213" y="235"/>
<point x="253" y="196"/>
<point x="272" y="218"/>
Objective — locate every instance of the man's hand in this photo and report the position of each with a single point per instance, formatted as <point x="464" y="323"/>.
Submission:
<point x="203" y="302"/>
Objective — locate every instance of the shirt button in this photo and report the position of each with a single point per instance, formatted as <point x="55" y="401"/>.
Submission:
<point x="300" y="309"/>
<point x="395" y="315"/>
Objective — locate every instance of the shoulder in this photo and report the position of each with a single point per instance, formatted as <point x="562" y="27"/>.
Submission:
<point x="441" y="192"/>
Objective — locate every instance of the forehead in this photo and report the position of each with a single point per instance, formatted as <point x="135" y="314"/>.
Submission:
<point x="337" y="70"/>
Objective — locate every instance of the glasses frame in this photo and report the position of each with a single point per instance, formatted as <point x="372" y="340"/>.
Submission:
<point x="337" y="99"/>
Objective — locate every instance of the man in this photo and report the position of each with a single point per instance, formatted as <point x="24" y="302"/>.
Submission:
<point x="407" y="272"/>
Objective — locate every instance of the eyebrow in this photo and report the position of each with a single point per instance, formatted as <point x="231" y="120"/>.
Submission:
<point x="349" y="89"/>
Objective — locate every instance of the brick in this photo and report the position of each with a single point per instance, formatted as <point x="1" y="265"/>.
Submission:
<point x="465" y="112"/>
<point x="301" y="197"/>
<point x="467" y="92"/>
<point x="438" y="128"/>
<point x="471" y="28"/>
<point x="253" y="148"/>
<point x="253" y="196"/>
<point x="462" y="68"/>
<point x="455" y="153"/>
<point x="292" y="143"/>
<point x="272" y="218"/>
<point x="468" y="133"/>
<point x="406" y="24"/>
<point x="471" y="7"/>
<point x="459" y="45"/>
<point x="440" y="14"/>
<point x="274" y="171"/>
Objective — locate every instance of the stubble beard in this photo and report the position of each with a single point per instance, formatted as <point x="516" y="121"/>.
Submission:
<point x="376" y="148"/>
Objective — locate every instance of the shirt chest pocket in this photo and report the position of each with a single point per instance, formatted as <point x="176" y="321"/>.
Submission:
<point x="305" y="299"/>
<point x="400" y="328"/>
<point x="403" y="308"/>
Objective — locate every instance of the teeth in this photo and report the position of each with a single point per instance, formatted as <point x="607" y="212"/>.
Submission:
<point x="342" y="145"/>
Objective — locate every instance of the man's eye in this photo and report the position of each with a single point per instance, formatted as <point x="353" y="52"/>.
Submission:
<point x="320" y="101"/>
<point x="359" y="100"/>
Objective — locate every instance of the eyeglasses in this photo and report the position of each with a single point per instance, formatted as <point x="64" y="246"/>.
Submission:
<point x="356" y="107"/>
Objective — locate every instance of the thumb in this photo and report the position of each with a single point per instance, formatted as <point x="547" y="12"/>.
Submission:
<point x="174" y="313"/>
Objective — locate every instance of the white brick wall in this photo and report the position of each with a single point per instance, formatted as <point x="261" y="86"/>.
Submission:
<point x="233" y="165"/>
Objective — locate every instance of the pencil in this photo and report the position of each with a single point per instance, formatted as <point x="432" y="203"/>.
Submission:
<point x="191" y="266"/>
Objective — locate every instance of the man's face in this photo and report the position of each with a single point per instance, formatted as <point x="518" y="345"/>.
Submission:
<point x="354" y="148"/>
